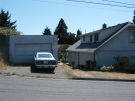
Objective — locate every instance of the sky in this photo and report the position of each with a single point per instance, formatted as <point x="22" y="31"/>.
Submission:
<point x="33" y="16"/>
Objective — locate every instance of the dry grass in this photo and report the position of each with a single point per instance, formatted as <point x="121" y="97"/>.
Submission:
<point x="92" y="74"/>
<point x="76" y="72"/>
<point x="115" y="75"/>
<point x="3" y="65"/>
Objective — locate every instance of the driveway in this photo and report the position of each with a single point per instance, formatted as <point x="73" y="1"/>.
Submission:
<point x="59" y="72"/>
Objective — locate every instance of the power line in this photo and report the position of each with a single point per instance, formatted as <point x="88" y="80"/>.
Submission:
<point x="119" y="2"/>
<point x="97" y="3"/>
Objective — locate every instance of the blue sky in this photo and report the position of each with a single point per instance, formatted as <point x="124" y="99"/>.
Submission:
<point x="34" y="15"/>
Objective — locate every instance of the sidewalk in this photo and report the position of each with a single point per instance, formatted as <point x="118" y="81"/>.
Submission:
<point x="97" y="75"/>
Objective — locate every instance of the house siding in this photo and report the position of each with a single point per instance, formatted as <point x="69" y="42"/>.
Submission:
<point x="22" y="48"/>
<point x="117" y="46"/>
<point x="104" y="34"/>
<point x="79" y="58"/>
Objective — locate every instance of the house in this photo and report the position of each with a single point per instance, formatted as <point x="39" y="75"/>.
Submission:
<point x="22" y="48"/>
<point x="104" y="47"/>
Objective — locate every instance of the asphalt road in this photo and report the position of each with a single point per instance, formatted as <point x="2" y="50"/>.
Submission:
<point x="14" y="88"/>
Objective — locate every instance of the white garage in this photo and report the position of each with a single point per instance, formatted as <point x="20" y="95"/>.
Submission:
<point x="23" y="47"/>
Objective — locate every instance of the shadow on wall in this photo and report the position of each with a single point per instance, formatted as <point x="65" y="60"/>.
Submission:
<point x="4" y="48"/>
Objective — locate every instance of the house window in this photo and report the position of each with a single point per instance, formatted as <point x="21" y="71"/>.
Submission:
<point x="90" y="38"/>
<point x="96" y="38"/>
<point x="131" y="36"/>
<point x="83" y="38"/>
<point x="122" y="60"/>
<point x="133" y="60"/>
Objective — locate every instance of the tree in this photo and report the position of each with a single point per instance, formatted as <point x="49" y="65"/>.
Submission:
<point x="5" y="20"/>
<point x="7" y="31"/>
<point x="79" y="32"/>
<point x="61" y="31"/>
<point x="134" y="17"/>
<point x="47" y="31"/>
<point x="62" y="54"/>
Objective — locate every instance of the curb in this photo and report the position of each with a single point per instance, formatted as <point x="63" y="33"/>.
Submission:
<point x="73" y="78"/>
<point x="103" y="79"/>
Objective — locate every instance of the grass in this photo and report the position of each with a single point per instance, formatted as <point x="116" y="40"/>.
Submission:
<point x="75" y="72"/>
<point x="116" y="75"/>
<point x="3" y="65"/>
<point x="91" y="74"/>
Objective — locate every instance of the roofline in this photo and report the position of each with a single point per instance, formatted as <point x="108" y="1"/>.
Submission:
<point x="123" y="28"/>
<point x="101" y="30"/>
<point x="79" y="51"/>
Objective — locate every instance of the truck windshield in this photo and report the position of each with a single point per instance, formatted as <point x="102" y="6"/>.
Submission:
<point x="44" y="56"/>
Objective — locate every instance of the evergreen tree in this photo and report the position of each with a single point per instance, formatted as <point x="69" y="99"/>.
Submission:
<point x="5" y="20"/>
<point x="61" y="31"/>
<point x="134" y="17"/>
<point x="79" y="32"/>
<point x="47" y="31"/>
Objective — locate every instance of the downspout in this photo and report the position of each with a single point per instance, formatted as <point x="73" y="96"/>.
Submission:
<point x="78" y="58"/>
<point x="95" y="60"/>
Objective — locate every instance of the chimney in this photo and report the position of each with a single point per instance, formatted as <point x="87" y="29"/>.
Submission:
<point x="104" y="26"/>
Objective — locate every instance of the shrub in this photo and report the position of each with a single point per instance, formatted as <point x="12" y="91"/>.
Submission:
<point x="107" y="68"/>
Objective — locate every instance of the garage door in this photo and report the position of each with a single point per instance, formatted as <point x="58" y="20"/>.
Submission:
<point x="24" y="53"/>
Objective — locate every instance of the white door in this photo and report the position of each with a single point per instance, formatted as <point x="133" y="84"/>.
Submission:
<point x="24" y="53"/>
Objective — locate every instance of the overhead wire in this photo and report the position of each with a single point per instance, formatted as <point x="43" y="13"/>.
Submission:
<point x="99" y="3"/>
<point x="123" y="3"/>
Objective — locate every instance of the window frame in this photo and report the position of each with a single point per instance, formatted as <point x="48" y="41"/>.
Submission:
<point x="90" y="38"/>
<point x="131" y="34"/>
<point x="96" y="37"/>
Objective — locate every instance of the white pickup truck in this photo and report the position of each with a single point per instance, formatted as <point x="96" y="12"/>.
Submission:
<point x="44" y="60"/>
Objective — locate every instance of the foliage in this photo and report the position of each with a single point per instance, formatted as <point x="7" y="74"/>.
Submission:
<point x="7" y="31"/>
<point x="5" y="20"/>
<point x="47" y="31"/>
<point x="64" y="36"/>
<point x="61" y="31"/>
<point x="3" y="64"/>
<point x="61" y="28"/>
<point x="107" y="68"/>
<point x="79" y="32"/>
<point x="134" y="17"/>
<point x="62" y="54"/>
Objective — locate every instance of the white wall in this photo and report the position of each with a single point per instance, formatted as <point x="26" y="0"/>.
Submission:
<point x="118" y="46"/>
<point x="23" y="47"/>
<point x="80" y="58"/>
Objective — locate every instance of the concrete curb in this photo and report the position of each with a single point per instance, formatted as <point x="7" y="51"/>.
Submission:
<point x="72" y="78"/>
<point x="104" y="79"/>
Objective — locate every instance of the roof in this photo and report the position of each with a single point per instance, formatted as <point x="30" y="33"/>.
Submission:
<point x="77" y="47"/>
<point x="91" y="47"/>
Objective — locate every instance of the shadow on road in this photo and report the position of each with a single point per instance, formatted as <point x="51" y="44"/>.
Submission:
<point x="42" y="70"/>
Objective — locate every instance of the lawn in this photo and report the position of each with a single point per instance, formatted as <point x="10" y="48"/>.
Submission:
<point x="97" y="74"/>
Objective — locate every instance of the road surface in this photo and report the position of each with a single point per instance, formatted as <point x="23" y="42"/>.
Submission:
<point x="15" y="88"/>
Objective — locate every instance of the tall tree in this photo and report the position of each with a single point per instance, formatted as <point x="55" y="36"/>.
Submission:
<point x="61" y="31"/>
<point x="134" y="17"/>
<point x="47" y="31"/>
<point x="5" y="20"/>
<point x="79" y="32"/>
